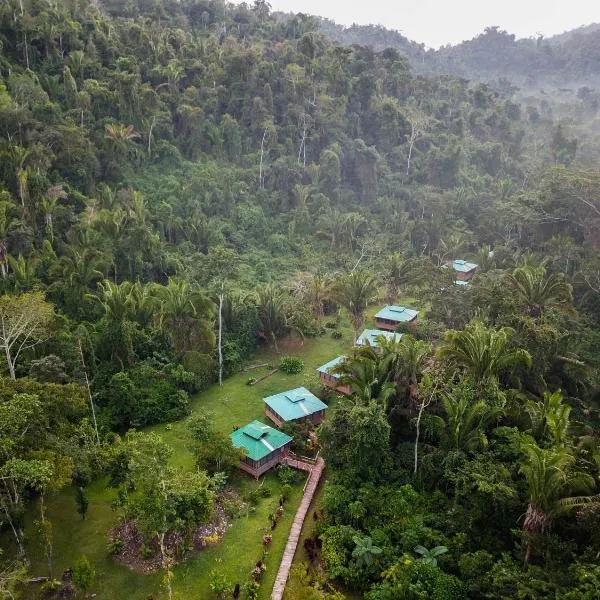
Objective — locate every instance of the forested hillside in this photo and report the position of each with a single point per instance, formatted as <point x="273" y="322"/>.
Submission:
<point x="568" y="59"/>
<point x="183" y="182"/>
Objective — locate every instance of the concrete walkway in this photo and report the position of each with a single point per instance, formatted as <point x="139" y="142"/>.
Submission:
<point x="315" y="472"/>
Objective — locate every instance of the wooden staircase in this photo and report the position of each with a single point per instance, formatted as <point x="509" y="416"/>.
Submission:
<point x="315" y="471"/>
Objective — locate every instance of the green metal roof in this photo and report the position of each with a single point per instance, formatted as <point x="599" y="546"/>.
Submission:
<point x="372" y="335"/>
<point x="397" y="313"/>
<point x="327" y="367"/>
<point x="259" y="440"/>
<point x="294" y="404"/>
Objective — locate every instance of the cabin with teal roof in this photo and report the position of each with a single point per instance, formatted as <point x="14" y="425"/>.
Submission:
<point x="390" y="317"/>
<point x="463" y="270"/>
<point x="371" y="337"/>
<point x="263" y="445"/>
<point x="294" y="405"/>
<point x="331" y="380"/>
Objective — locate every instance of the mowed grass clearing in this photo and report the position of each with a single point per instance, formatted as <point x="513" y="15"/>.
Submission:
<point x="236" y="403"/>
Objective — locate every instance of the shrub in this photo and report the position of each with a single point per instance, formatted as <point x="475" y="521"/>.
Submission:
<point x="291" y="365"/>
<point x="286" y="491"/>
<point x="116" y="547"/>
<point x="219" y="584"/>
<point x="50" y="587"/>
<point x="287" y="475"/>
<point x="146" y="551"/>
<point x="254" y="495"/>
<point x="84" y="574"/>
<point x="251" y="589"/>
<point x="336" y="335"/>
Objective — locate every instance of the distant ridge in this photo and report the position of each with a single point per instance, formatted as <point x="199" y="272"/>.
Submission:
<point x="569" y="58"/>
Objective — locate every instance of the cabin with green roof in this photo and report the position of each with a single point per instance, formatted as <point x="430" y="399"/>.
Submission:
<point x="331" y="380"/>
<point x="294" y="405"/>
<point x="264" y="446"/>
<point x="371" y="338"/>
<point x="464" y="270"/>
<point x="390" y="317"/>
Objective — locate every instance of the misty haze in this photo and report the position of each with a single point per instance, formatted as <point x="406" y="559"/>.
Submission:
<point x="299" y="305"/>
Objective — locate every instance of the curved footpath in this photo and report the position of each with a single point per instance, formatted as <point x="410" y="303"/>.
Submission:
<point x="314" y="476"/>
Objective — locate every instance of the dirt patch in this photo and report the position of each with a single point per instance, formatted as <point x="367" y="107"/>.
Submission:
<point x="290" y="345"/>
<point x="144" y="557"/>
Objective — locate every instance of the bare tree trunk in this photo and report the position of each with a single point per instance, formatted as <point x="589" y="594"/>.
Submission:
<point x="221" y="338"/>
<point x="260" y="168"/>
<point x="424" y="405"/>
<point x="302" y="149"/>
<point x="47" y="533"/>
<point x="413" y="137"/>
<point x="16" y="535"/>
<point x="87" y="383"/>
<point x="9" y="362"/>
<point x="150" y="134"/>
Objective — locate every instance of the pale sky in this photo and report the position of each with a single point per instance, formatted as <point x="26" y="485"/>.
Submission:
<point x="439" y="22"/>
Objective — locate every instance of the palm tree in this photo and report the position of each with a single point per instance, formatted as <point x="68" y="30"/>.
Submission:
<point x="429" y="557"/>
<point x="317" y="292"/>
<point x="186" y="313"/>
<point x="24" y="271"/>
<point x="117" y="300"/>
<point x="80" y="267"/>
<point x="539" y="290"/>
<point x="481" y="351"/>
<point x="49" y="203"/>
<point x="367" y="377"/>
<point x="404" y="360"/>
<point x="119" y="138"/>
<point x="144" y="303"/>
<point x="273" y="318"/>
<point x="466" y="422"/>
<point x="550" y="418"/>
<point x="355" y="291"/>
<point x="332" y="227"/>
<point x="551" y="479"/>
<point x="399" y="272"/>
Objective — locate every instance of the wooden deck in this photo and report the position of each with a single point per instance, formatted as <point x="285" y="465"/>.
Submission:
<point x="315" y="471"/>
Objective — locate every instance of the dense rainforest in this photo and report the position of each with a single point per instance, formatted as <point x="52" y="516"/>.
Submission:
<point x="183" y="183"/>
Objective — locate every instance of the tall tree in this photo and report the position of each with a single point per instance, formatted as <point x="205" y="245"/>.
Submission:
<point x="186" y="313"/>
<point x="482" y="352"/>
<point x="539" y="290"/>
<point x="24" y="323"/>
<point x="552" y="477"/>
<point x="355" y="291"/>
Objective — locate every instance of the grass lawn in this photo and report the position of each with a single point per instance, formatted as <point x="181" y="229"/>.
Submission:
<point x="235" y="403"/>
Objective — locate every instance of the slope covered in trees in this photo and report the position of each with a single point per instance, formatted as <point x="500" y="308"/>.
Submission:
<point x="183" y="181"/>
<point x="568" y="59"/>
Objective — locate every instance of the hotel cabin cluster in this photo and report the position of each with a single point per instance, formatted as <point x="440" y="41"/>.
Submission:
<point x="265" y="446"/>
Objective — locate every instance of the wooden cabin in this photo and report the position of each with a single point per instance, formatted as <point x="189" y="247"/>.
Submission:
<point x="390" y="317"/>
<point x="332" y="380"/>
<point x="370" y="337"/>
<point x="265" y="447"/>
<point x="294" y="405"/>
<point x="463" y="270"/>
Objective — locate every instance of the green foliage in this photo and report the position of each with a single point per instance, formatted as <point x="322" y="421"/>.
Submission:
<point x="219" y="584"/>
<point x="291" y="365"/>
<point x="82" y="501"/>
<point x="84" y="574"/>
<point x="157" y="154"/>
